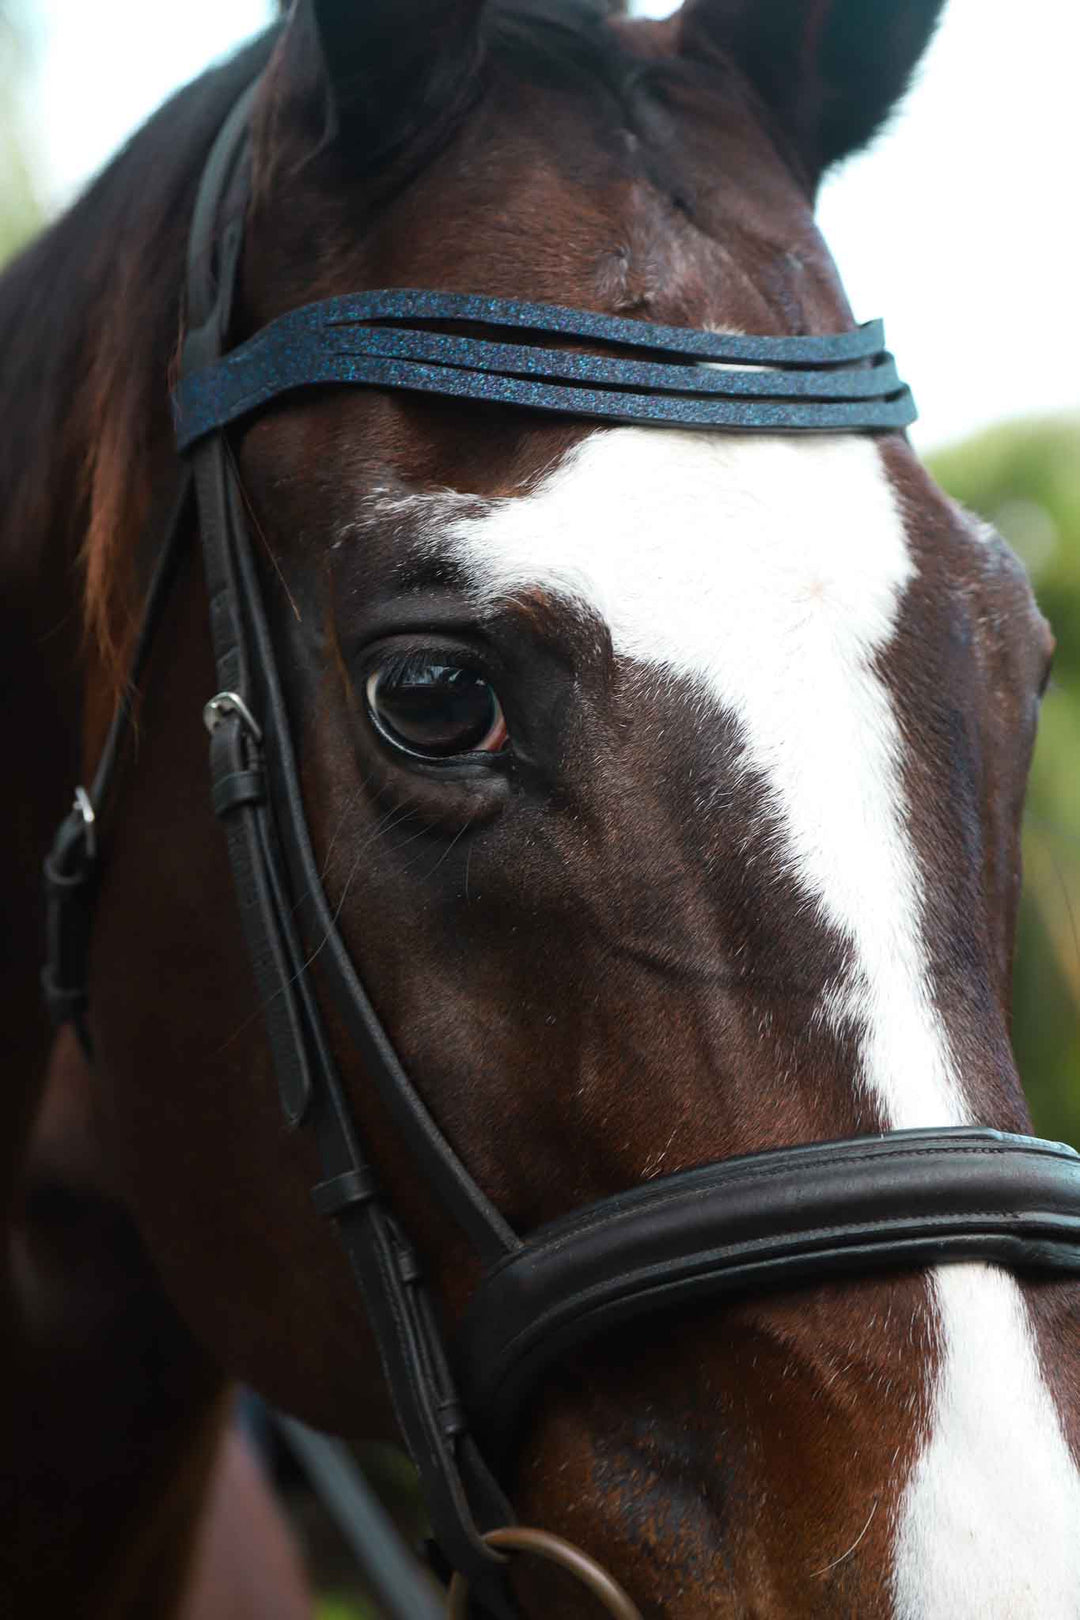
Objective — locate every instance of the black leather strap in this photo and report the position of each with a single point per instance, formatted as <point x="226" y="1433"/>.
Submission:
<point x="271" y="860"/>
<point x="340" y="1192"/>
<point x="247" y="666"/>
<point x="70" y="879"/>
<point x="780" y="1218"/>
<point x="71" y="868"/>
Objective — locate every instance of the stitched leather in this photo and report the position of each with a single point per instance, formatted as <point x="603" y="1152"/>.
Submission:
<point x="779" y="1218"/>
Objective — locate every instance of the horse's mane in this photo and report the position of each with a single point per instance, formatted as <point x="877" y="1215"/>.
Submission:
<point x="90" y="318"/>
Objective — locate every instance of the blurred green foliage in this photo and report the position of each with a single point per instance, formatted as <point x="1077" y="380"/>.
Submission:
<point x="1025" y="478"/>
<point x="20" y="213"/>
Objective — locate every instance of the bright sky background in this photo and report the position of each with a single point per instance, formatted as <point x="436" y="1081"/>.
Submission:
<point x="961" y="227"/>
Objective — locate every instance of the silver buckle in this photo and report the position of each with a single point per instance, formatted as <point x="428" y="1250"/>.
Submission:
<point x="225" y="704"/>
<point x="84" y="804"/>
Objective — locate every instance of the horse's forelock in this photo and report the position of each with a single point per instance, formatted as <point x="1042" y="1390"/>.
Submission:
<point x="303" y="111"/>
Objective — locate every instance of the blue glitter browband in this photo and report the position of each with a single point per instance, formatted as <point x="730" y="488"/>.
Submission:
<point x="842" y="381"/>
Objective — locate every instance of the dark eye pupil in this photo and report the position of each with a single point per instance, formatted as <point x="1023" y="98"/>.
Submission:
<point x="433" y="709"/>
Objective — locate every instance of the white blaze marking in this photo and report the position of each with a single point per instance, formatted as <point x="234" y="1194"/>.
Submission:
<point x="990" y="1522"/>
<point x="770" y="572"/>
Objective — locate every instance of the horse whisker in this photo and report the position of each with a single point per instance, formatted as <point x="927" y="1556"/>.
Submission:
<point x="851" y="1549"/>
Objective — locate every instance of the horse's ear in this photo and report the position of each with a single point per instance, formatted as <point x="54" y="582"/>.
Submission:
<point x="827" y="71"/>
<point x="397" y="73"/>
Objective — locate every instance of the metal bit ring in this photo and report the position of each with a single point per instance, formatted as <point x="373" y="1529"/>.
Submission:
<point x="516" y="1538"/>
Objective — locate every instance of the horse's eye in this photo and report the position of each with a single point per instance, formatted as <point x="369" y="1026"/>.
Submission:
<point x="435" y="710"/>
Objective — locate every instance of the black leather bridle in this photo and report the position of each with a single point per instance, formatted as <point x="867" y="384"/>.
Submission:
<point x="777" y="1218"/>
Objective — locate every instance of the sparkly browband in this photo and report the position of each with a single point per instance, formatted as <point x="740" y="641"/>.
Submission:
<point x="842" y="381"/>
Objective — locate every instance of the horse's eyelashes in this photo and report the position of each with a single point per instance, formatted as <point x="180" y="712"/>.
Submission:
<point x="426" y="706"/>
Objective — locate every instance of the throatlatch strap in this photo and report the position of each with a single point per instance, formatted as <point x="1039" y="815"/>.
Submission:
<point x="71" y="868"/>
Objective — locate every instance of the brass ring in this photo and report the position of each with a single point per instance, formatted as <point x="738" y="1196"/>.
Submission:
<point x="516" y="1538"/>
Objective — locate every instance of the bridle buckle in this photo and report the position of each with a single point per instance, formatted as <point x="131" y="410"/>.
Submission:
<point x="225" y="705"/>
<point x="85" y="807"/>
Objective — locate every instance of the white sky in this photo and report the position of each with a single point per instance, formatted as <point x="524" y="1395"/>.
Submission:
<point x="960" y="227"/>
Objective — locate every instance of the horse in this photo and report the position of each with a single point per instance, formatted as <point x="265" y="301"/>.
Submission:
<point x="664" y="784"/>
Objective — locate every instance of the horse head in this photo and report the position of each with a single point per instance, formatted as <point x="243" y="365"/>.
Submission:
<point x="666" y="790"/>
